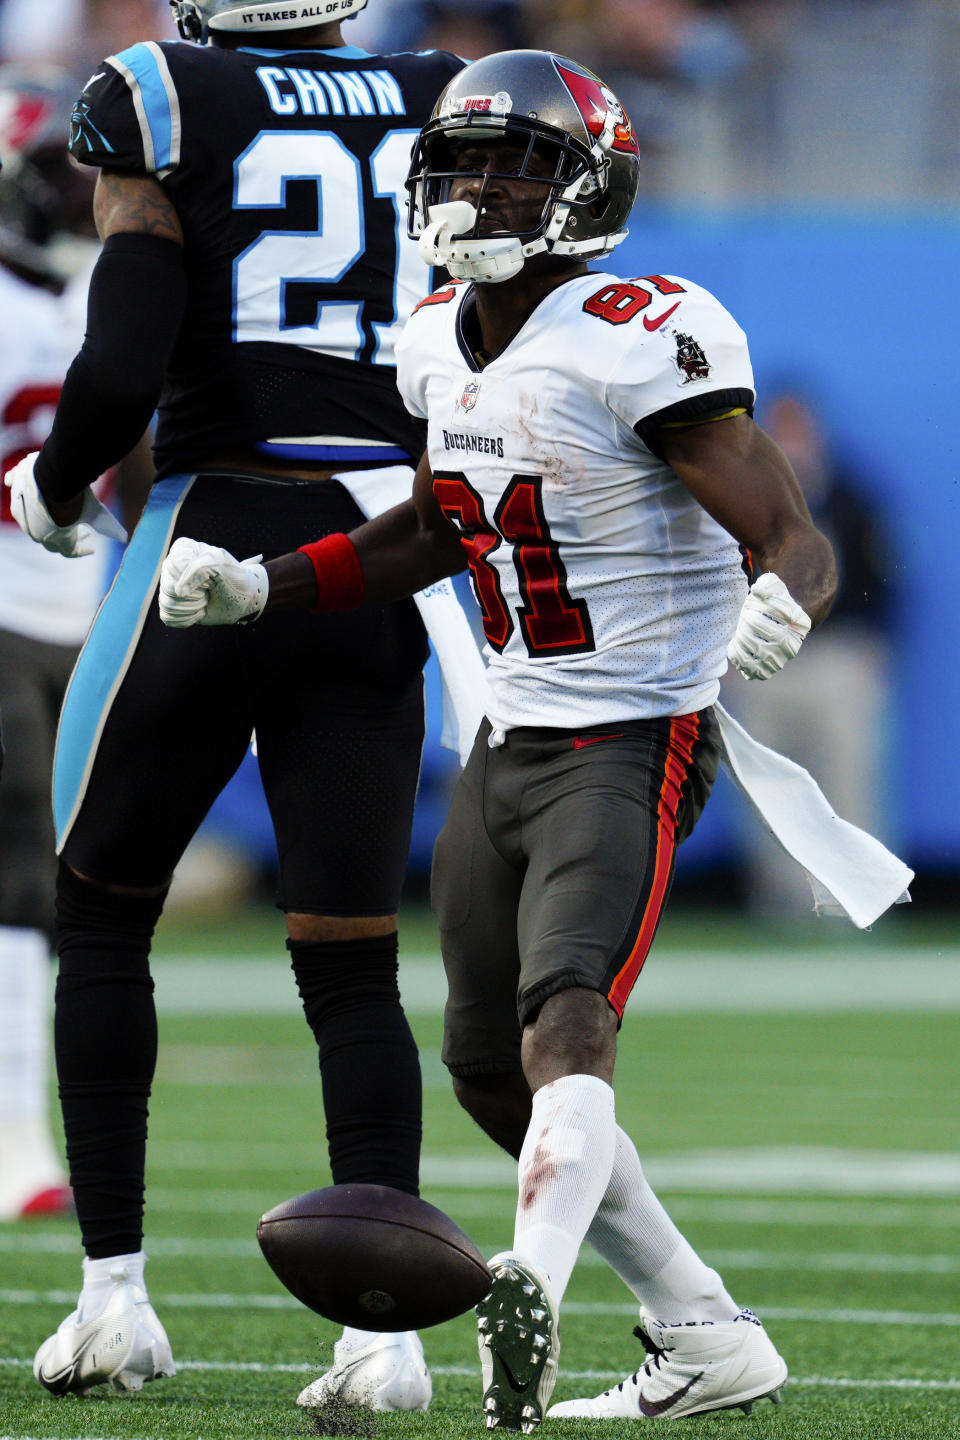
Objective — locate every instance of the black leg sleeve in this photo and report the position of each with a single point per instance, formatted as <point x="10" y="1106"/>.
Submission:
<point x="105" y="1039"/>
<point x="369" y="1066"/>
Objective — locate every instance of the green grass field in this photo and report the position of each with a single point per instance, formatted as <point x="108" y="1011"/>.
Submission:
<point x="796" y="1107"/>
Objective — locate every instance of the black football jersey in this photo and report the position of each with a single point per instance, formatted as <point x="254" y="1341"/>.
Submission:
<point x="287" y="172"/>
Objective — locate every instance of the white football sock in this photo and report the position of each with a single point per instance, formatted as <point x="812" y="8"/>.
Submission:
<point x="637" y="1238"/>
<point x="98" y="1281"/>
<point x="25" y="1007"/>
<point x="564" y="1169"/>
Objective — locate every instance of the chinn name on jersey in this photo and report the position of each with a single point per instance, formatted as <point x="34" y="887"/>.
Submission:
<point x="477" y="444"/>
<point x="337" y="92"/>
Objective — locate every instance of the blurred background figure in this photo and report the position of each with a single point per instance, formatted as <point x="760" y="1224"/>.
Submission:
<point x="465" y="27"/>
<point x="47" y="248"/>
<point x="78" y="33"/>
<point x="664" y="59"/>
<point x="831" y="710"/>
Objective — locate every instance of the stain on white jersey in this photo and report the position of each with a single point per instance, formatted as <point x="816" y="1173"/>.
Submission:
<point x="607" y="591"/>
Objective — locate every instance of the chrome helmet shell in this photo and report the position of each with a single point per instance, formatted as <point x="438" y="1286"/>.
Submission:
<point x="542" y="101"/>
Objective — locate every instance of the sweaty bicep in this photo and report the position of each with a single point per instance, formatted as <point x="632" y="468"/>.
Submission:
<point x="134" y="205"/>
<point x="740" y="477"/>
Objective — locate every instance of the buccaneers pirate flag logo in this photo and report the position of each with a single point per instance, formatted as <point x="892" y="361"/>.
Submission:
<point x="690" y="359"/>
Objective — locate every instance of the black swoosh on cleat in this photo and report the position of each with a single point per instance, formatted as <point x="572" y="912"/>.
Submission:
<point x="653" y="1408"/>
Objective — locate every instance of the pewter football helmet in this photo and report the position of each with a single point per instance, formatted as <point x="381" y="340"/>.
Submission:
<point x="553" y="107"/>
<point x="196" y="18"/>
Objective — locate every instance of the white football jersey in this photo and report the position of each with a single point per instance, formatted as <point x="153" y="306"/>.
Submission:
<point x="607" y="591"/>
<point x="42" y="596"/>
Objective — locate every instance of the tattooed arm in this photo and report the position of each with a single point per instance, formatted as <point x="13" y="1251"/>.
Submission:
<point x="134" y="205"/>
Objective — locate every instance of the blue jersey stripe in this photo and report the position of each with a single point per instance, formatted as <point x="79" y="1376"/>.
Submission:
<point x="372" y="454"/>
<point x="143" y="66"/>
<point x="109" y="647"/>
<point x="340" y="52"/>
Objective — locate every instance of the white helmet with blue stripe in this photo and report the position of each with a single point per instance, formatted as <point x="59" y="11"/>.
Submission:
<point x="196" y="18"/>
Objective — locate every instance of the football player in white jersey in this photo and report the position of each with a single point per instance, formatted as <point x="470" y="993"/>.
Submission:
<point x="592" y="458"/>
<point x="46" y="600"/>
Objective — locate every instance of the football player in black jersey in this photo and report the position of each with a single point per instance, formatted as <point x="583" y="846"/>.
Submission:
<point x="255" y="274"/>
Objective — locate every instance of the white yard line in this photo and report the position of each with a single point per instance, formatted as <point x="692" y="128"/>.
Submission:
<point x="856" y="1261"/>
<point x="253" y="1367"/>
<point x="773" y="1210"/>
<point x="210" y="1301"/>
<point x="813" y="981"/>
<point x="794" y="1169"/>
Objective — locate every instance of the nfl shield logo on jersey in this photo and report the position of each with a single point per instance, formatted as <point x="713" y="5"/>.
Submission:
<point x="469" y="397"/>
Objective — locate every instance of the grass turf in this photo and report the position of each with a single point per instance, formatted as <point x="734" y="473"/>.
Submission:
<point x="856" y="1278"/>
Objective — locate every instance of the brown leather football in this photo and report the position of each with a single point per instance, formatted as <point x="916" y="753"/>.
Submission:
<point x="373" y="1257"/>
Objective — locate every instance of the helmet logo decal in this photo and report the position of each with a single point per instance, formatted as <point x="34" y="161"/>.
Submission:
<point x="499" y="104"/>
<point x="599" y="107"/>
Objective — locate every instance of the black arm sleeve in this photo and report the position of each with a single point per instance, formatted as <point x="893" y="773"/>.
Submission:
<point x="138" y="293"/>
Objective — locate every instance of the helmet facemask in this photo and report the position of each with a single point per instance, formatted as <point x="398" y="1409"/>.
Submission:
<point x="553" y="111"/>
<point x="457" y="234"/>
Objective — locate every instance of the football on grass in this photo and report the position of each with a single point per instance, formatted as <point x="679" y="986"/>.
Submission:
<point x="373" y="1257"/>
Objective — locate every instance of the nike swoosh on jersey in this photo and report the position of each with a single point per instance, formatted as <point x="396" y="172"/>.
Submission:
<point x="580" y="742"/>
<point x="652" y="1408"/>
<point x="649" y="324"/>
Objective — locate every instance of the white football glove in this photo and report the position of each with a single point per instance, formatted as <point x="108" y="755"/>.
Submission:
<point x="770" y="630"/>
<point x="31" y="514"/>
<point x="204" y="585"/>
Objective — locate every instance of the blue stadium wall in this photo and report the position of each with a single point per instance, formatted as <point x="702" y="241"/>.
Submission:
<point x="864" y="312"/>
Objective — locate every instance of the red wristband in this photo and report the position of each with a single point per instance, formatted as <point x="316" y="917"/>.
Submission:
<point x="339" y="573"/>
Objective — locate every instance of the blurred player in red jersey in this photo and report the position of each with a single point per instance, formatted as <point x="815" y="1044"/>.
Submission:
<point x="47" y="248"/>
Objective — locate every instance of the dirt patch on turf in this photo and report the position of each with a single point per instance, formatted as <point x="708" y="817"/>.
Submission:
<point x="337" y="1419"/>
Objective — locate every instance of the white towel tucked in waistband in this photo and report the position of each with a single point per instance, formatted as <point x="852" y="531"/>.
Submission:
<point x="849" y="871"/>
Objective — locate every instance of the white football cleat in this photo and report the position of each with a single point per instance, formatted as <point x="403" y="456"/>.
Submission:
<point x="124" y="1346"/>
<point x="519" y="1345"/>
<point x="388" y="1374"/>
<point x="692" y="1368"/>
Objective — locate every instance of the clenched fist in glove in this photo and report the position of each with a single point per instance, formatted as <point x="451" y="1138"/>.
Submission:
<point x="770" y="630"/>
<point x="30" y="512"/>
<point x="204" y="585"/>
